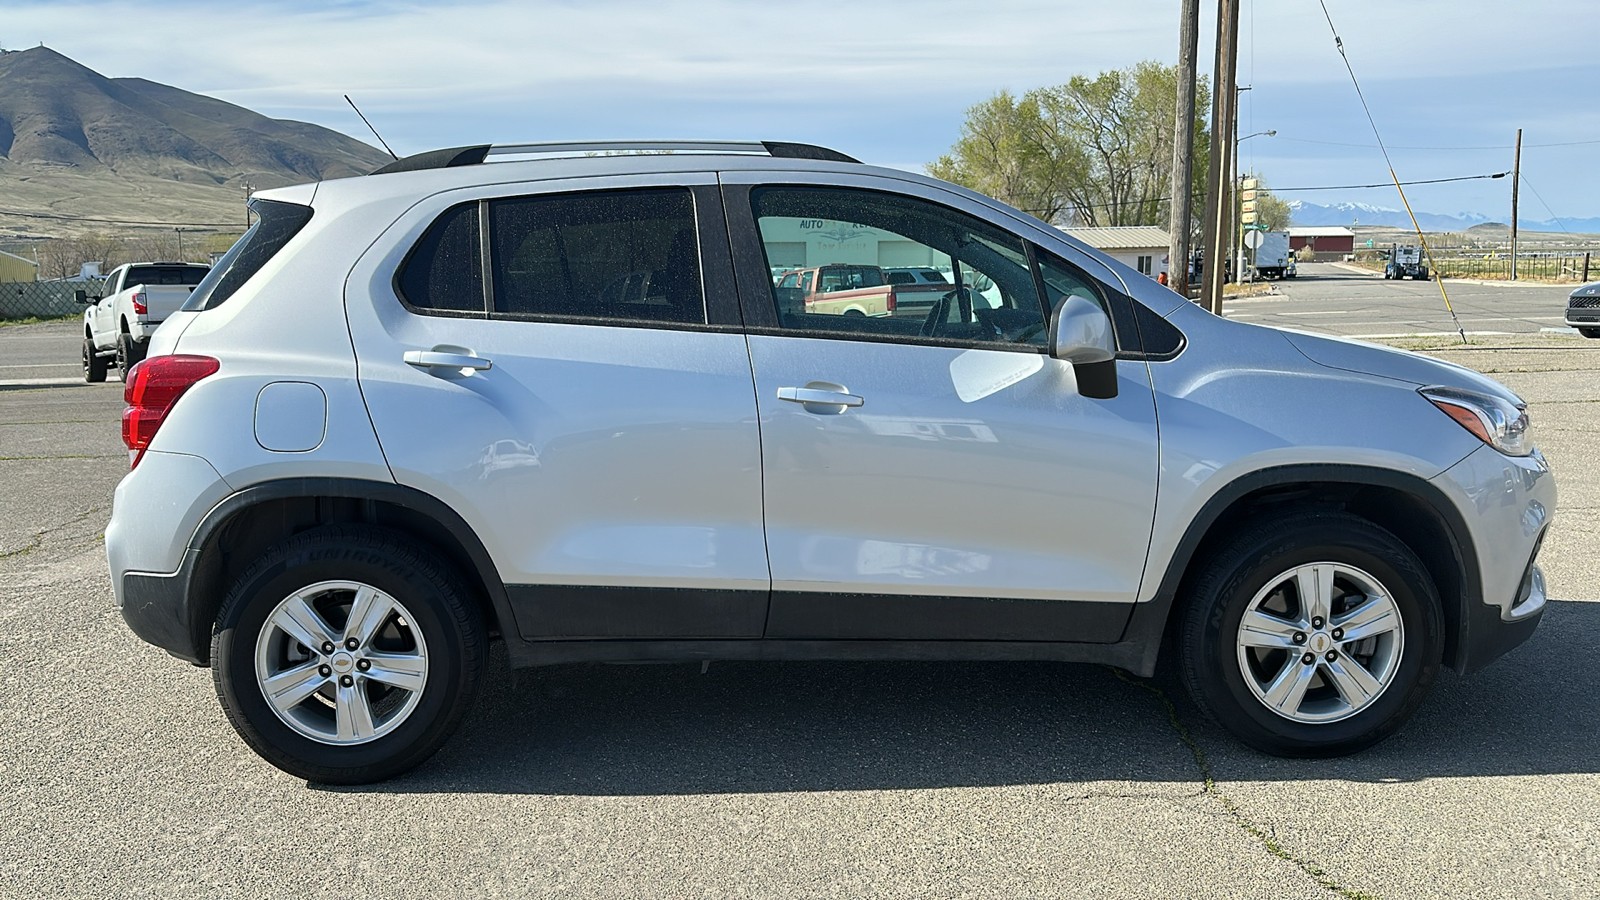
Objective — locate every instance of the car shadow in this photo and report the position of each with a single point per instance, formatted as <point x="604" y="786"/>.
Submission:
<point x="779" y="727"/>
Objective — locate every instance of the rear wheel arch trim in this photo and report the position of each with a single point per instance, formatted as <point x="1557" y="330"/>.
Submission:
<point x="483" y="569"/>
<point x="1428" y="495"/>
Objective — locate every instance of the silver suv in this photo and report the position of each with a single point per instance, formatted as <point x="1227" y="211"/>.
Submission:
<point x="551" y="395"/>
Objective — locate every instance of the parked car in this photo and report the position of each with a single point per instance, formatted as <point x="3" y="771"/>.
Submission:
<point x="409" y="413"/>
<point x="852" y="289"/>
<point x="1583" y="310"/>
<point x="138" y="298"/>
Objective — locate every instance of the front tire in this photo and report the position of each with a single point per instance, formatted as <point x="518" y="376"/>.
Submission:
<point x="347" y="655"/>
<point x="1312" y="635"/>
<point x="94" y="365"/>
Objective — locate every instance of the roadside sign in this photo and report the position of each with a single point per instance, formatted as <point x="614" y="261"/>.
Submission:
<point x="1253" y="239"/>
<point x="1255" y="226"/>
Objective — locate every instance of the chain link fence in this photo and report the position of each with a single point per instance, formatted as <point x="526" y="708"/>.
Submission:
<point x="45" y="299"/>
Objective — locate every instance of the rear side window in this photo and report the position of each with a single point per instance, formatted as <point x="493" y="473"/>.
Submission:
<point x="276" y="224"/>
<point x="445" y="270"/>
<point x="626" y="256"/>
<point x="180" y="275"/>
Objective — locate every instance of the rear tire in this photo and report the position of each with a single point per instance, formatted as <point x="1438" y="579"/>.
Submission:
<point x="129" y="352"/>
<point x="94" y="365"/>
<point x="1370" y="624"/>
<point x="343" y="713"/>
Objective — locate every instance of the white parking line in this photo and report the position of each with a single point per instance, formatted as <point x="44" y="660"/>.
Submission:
<point x="39" y="382"/>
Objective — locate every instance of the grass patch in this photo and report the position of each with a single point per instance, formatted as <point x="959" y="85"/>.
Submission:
<point x="35" y="320"/>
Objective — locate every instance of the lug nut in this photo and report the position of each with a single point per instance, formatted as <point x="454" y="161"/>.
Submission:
<point x="1309" y="658"/>
<point x="327" y="647"/>
<point x="1338" y="634"/>
<point x="1299" y="637"/>
<point x="1316" y="621"/>
<point x="363" y="664"/>
<point x="351" y="643"/>
<point x="324" y="671"/>
<point x="346" y="680"/>
<point x="1333" y="656"/>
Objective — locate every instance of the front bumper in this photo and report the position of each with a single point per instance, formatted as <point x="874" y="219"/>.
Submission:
<point x="1507" y="504"/>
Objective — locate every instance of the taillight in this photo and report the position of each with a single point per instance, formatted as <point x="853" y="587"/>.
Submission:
<point x="891" y="300"/>
<point x="141" y="303"/>
<point x="153" y="387"/>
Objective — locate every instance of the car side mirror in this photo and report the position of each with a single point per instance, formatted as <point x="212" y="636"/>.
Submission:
<point x="81" y="296"/>
<point x="1080" y="333"/>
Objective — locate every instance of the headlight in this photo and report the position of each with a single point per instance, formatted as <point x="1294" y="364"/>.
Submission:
<point x="1496" y="421"/>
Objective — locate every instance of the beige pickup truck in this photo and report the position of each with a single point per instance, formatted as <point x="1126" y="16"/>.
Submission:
<point x="844" y="289"/>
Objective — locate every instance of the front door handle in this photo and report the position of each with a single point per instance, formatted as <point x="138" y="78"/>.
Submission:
<point x="821" y="397"/>
<point x="444" y="357"/>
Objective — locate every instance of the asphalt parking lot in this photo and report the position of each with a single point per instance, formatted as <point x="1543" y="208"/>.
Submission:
<point x="122" y="778"/>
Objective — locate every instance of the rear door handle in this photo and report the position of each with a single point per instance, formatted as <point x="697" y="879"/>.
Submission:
<point x="454" y="358"/>
<point x="821" y="397"/>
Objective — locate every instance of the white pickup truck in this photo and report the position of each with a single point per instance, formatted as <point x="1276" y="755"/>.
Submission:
<point x="137" y="298"/>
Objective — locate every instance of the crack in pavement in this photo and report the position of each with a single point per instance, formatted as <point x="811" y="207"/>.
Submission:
<point x="1209" y="788"/>
<point x="37" y="540"/>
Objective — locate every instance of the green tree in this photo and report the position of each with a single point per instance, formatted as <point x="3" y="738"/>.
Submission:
<point x="1096" y="151"/>
<point x="1271" y="211"/>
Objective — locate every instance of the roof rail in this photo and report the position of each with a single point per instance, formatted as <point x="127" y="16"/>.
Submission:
<point x="468" y="156"/>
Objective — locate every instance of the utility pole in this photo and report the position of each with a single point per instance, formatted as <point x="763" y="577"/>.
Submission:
<point x="1178" y="222"/>
<point x="1516" y="181"/>
<point x="1223" y="101"/>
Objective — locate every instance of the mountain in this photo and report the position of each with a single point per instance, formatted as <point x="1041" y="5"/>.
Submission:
<point x="78" y="145"/>
<point x="1312" y="214"/>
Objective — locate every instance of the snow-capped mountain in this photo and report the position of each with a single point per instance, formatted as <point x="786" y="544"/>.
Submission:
<point x="1304" y="213"/>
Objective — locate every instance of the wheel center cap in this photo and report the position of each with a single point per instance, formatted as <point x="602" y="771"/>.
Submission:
<point x="1320" y="643"/>
<point x="342" y="662"/>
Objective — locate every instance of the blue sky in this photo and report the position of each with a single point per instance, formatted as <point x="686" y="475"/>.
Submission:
<point x="887" y="81"/>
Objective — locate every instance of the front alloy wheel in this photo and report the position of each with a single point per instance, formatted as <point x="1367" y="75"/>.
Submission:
<point x="1320" y="642"/>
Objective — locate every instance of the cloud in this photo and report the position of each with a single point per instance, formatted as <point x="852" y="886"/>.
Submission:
<point x="888" y="80"/>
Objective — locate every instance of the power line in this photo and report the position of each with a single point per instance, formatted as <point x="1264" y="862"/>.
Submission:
<point x="1387" y="184"/>
<point x="1398" y="147"/>
<point x="1338" y="42"/>
<point x="1277" y="190"/>
<point x="1545" y="205"/>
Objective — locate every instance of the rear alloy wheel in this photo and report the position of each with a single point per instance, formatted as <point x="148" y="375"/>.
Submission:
<point x="94" y="365"/>
<point x="1314" y="635"/>
<point x="346" y="655"/>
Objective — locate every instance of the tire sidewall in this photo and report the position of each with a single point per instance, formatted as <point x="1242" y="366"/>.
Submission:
<point x="1394" y="567"/>
<point x="296" y="566"/>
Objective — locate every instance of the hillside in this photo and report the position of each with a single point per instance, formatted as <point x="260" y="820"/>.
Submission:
<point x="77" y="145"/>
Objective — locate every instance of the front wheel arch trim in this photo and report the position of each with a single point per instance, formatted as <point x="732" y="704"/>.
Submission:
<point x="1150" y="619"/>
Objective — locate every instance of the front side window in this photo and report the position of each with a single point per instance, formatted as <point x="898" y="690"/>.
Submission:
<point x="859" y="245"/>
<point x="614" y="255"/>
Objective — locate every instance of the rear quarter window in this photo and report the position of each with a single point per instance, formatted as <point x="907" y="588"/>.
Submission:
<point x="277" y="224"/>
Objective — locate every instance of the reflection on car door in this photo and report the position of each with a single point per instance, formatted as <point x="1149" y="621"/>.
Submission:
<point x="592" y="429"/>
<point x="925" y="489"/>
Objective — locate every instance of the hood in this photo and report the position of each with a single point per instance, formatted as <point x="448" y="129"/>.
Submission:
<point x="1588" y="290"/>
<point x="1387" y="362"/>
